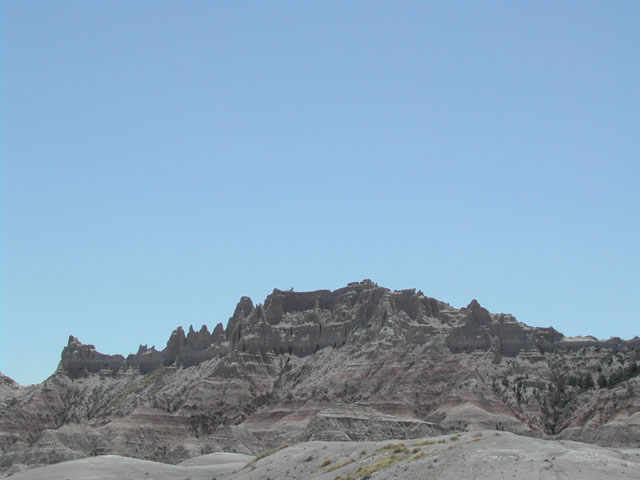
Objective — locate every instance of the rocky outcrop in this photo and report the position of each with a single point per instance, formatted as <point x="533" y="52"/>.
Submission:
<point x="78" y="360"/>
<point x="340" y="425"/>
<point x="409" y="361"/>
<point x="482" y="331"/>
<point x="7" y="384"/>
<point x="301" y="323"/>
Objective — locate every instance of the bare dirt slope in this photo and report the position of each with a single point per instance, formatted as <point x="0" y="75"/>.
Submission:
<point x="477" y="455"/>
<point x="114" y="467"/>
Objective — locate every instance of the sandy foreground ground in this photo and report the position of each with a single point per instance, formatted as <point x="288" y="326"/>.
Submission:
<point x="470" y="455"/>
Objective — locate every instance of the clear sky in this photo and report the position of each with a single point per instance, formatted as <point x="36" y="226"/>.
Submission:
<point x="162" y="159"/>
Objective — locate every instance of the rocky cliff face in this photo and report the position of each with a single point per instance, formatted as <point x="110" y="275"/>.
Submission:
<point x="273" y="374"/>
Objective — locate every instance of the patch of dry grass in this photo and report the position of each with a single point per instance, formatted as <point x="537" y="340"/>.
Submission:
<point x="394" y="448"/>
<point x="265" y="454"/>
<point x="384" y="462"/>
<point x="422" y="443"/>
<point x="394" y="453"/>
<point x="420" y="455"/>
<point x="342" y="464"/>
<point x="270" y="452"/>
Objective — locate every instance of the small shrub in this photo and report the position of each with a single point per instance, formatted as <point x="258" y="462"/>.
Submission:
<point x="324" y="462"/>
<point x="422" y="443"/>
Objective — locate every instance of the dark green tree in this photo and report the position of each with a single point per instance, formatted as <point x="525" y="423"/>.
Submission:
<point x="602" y="381"/>
<point x="587" y="381"/>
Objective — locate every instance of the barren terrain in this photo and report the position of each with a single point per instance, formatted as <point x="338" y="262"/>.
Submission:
<point x="358" y="364"/>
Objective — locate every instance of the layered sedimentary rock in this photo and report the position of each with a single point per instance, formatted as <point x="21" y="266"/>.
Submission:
<point x="358" y="424"/>
<point x="80" y="360"/>
<point x="263" y="379"/>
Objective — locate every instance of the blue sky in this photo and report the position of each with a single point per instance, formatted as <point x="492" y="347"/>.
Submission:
<point x="162" y="159"/>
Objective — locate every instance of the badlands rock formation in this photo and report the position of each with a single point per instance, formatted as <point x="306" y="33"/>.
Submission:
<point x="361" y="362"/>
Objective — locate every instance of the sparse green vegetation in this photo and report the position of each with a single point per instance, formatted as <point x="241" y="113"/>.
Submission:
<point x="583" y="381"/>
<point x="270" y="452"/>
<point x="146" y="381"/>
<point x="620" y="375"/>
<point x="153" y="376"/>
<point x="602" y="381"/>
<point x="384" y="462"/>
<point x="265" y="454"/>
<point x="124" y="394"/>
<point x="342" y="464"/>
<point x="394" y="453"/>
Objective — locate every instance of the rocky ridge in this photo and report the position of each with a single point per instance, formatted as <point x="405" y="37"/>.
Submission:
<point x="358" y="362"/>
